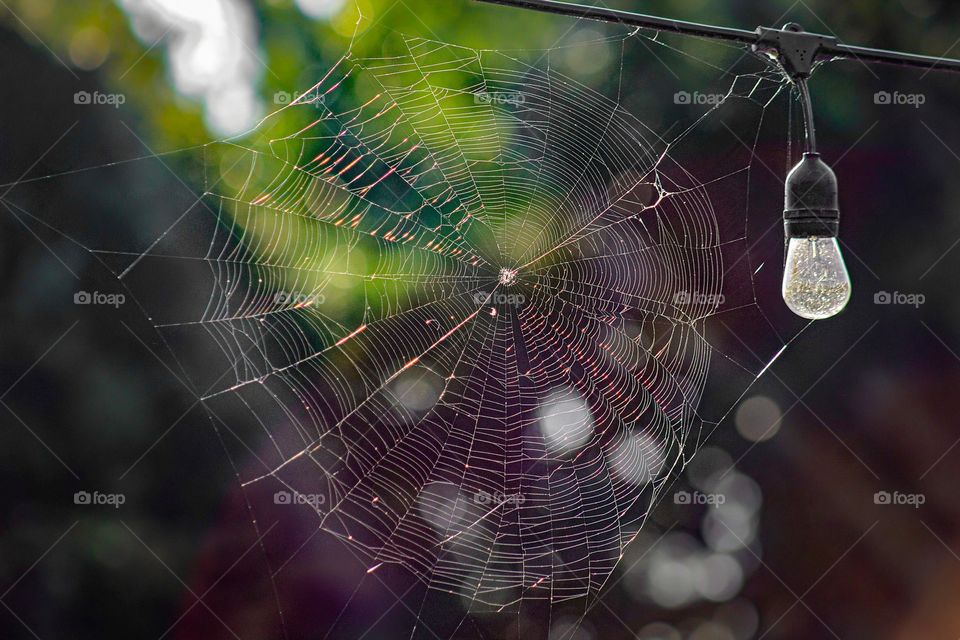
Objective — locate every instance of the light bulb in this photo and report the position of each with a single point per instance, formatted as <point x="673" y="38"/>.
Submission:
<point x="816" y="284"/>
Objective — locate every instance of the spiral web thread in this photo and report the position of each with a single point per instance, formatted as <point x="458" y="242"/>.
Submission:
<point x="469" y="312"/>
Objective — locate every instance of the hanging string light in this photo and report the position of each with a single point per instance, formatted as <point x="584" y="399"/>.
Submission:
<point x="816" y="284"/>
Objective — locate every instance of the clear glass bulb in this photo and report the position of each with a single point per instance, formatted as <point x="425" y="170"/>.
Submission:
<point x="816" y="284"/>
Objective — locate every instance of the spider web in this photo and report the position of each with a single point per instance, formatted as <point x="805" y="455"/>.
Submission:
<point x="479" y="295"/>
<point x="477" y="312"/>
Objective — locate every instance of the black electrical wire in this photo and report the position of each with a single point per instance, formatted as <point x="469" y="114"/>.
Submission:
<point x="828" y="50"/>
<point x="807" y="105"/>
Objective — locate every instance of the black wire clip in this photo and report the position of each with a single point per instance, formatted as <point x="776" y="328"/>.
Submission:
<point x="793" y="48"/>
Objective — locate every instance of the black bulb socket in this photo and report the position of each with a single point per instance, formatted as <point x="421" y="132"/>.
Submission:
<point x="812" y="207"/>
